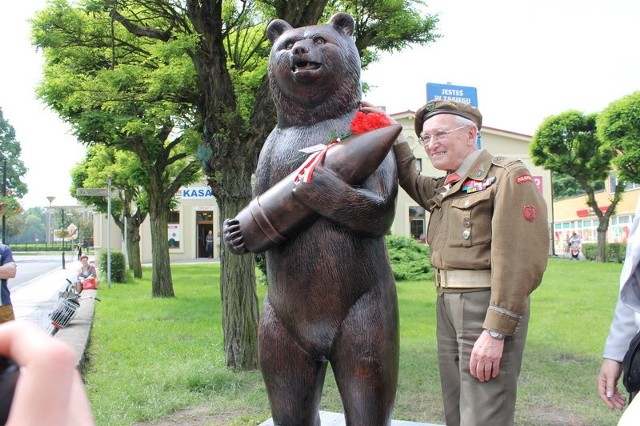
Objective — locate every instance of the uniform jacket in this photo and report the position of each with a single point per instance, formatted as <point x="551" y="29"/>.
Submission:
<point x="495" y="219"/>
<point x="626" y="318"/>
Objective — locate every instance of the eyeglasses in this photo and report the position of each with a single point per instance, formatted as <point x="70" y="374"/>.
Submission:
<point x="438" y="136"/>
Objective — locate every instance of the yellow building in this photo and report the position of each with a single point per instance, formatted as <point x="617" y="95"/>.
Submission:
<point x="573" y="215"/>
<point x="198" y="212"/>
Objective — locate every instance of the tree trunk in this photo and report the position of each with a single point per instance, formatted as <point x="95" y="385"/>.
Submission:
<point x="601" y="254"/>
<point x="133" y="247"/>
<point x="161" y="281"/>
<point x="240" y="312"/>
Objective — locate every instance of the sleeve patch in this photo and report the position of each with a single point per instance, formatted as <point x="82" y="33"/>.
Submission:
<point x="530" y="212"/>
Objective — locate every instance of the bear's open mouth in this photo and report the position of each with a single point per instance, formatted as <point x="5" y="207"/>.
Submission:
<point x="305" y="66"/>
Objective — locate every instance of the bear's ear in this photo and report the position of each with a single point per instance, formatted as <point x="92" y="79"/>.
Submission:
<point x="276" y="28"/>
<point x="343" y="23"/>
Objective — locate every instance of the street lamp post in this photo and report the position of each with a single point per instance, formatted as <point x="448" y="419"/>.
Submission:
<point x="4" y="194"/>
<point x="62" y="232"/>
<point x="49" y="228"/>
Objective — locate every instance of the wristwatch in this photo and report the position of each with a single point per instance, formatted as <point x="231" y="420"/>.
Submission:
<point x="496" y="334"/>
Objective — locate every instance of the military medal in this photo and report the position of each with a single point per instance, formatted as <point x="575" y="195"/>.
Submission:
<point x="471" y="185"/>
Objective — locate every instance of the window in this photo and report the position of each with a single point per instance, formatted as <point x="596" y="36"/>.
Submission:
<point x="204" y="216"/>
<point x="416" y="212"/>
<point x="174" y="230"/>
<point x="174" y="216"/>
<point x="416" y="223"/>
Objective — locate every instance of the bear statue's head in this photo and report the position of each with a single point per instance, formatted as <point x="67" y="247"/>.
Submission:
<point x="314" y="71"/>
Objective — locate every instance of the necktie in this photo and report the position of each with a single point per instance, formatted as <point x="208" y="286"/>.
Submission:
<point x="451" y="178"/>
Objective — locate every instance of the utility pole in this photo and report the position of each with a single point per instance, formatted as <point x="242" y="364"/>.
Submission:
<point x="62" y="233"/>
<point x="4" y="194"/>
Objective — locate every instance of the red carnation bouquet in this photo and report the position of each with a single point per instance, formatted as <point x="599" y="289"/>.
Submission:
<point x="364" y="122"/>
<point x="361" y="123"/>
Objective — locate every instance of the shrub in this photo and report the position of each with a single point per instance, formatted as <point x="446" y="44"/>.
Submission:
<point x="261" y="264"/>
<point x="118" y="266"/>
<point x="614" y="252"/>
<point x="409" y="258"/>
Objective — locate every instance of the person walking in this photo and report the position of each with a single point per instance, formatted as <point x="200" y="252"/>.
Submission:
<point x="489" y="245"/>
<point x="624" y="326"/>
<point x="209" y="244"/>
<point x="8" y="270"/>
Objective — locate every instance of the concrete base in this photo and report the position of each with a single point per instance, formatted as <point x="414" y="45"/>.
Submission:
<point x="337" y="419"/>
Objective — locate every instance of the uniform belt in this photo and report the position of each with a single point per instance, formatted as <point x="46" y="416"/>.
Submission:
<point x="462" y="278"/>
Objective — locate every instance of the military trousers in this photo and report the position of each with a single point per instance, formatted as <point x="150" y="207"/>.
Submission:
<point x="467" y="401"/>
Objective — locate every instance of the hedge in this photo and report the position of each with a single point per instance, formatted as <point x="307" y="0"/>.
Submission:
<point x="615" y="252"/>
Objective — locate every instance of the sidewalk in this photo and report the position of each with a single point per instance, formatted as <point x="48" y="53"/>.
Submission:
<point x="36" y="299"/>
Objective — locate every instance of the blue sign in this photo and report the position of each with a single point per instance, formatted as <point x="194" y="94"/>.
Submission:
<point x="449" y="92"/>
<point x="466" y="94"/>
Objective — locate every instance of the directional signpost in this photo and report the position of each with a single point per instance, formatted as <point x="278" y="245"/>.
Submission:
<point x="92" y="192"/>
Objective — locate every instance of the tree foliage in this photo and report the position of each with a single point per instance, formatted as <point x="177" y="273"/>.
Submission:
<point x="10" y="150"/>
<point x="125" y="92"/>
<point x="619" y="129"/>
<point x="568" y="144"/>
<point x="565" y="185"/>
<point x="31" y="226"/>
<point x="129" y="201"/>
<point x="210" y="57"/>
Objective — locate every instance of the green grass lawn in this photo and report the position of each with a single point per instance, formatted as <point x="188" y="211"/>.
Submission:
<point x="151" y="357"/>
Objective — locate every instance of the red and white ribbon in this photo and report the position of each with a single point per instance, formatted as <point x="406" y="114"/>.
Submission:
<point x="305" y="174"/>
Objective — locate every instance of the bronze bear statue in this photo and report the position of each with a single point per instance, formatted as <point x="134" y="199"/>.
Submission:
<point x="332" y="296"/>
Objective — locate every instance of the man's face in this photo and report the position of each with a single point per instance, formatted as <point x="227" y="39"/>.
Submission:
<point x="446" y="142"/>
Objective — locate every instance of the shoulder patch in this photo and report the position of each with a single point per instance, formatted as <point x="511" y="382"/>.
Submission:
<point x="524" y="178"/>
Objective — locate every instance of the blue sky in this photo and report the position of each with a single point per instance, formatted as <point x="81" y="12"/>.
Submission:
<point x="527" y="60"/>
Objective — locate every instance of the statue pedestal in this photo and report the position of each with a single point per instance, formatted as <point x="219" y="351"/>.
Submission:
<point x="337" y="419"/>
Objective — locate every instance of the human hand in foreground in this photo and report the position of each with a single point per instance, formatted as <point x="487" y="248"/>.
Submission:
<point x="369" y="108"/>
<point x="607" y="384"/>
<point x="49" y="390"/>
<point x="485" y="357"/>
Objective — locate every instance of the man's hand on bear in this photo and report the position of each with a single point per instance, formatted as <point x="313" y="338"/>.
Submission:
<point x="232" y="236"/>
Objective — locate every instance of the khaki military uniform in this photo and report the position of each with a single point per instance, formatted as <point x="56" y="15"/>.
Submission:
<point x="489" y="244"/>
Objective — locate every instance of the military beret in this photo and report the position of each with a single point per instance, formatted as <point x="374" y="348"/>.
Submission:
<point x="446" y="107"/>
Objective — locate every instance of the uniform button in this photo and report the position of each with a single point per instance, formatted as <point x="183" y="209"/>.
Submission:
<point x="466" y="234"/>
<point x="466" y="222"/>
<point x="466" y="203"/>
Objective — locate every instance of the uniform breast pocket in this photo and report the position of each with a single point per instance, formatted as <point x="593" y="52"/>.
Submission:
<point x="470" y="219"/>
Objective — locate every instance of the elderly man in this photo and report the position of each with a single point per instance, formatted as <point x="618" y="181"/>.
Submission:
<point x="489" y="246"/>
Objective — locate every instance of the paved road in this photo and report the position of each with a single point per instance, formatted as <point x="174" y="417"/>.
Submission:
<point x="32" y="266"/>
<point x="34" y="290"/>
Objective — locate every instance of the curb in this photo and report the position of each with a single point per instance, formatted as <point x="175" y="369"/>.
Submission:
<point x="77" y="333"/>
<point x="36" y="299"/>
